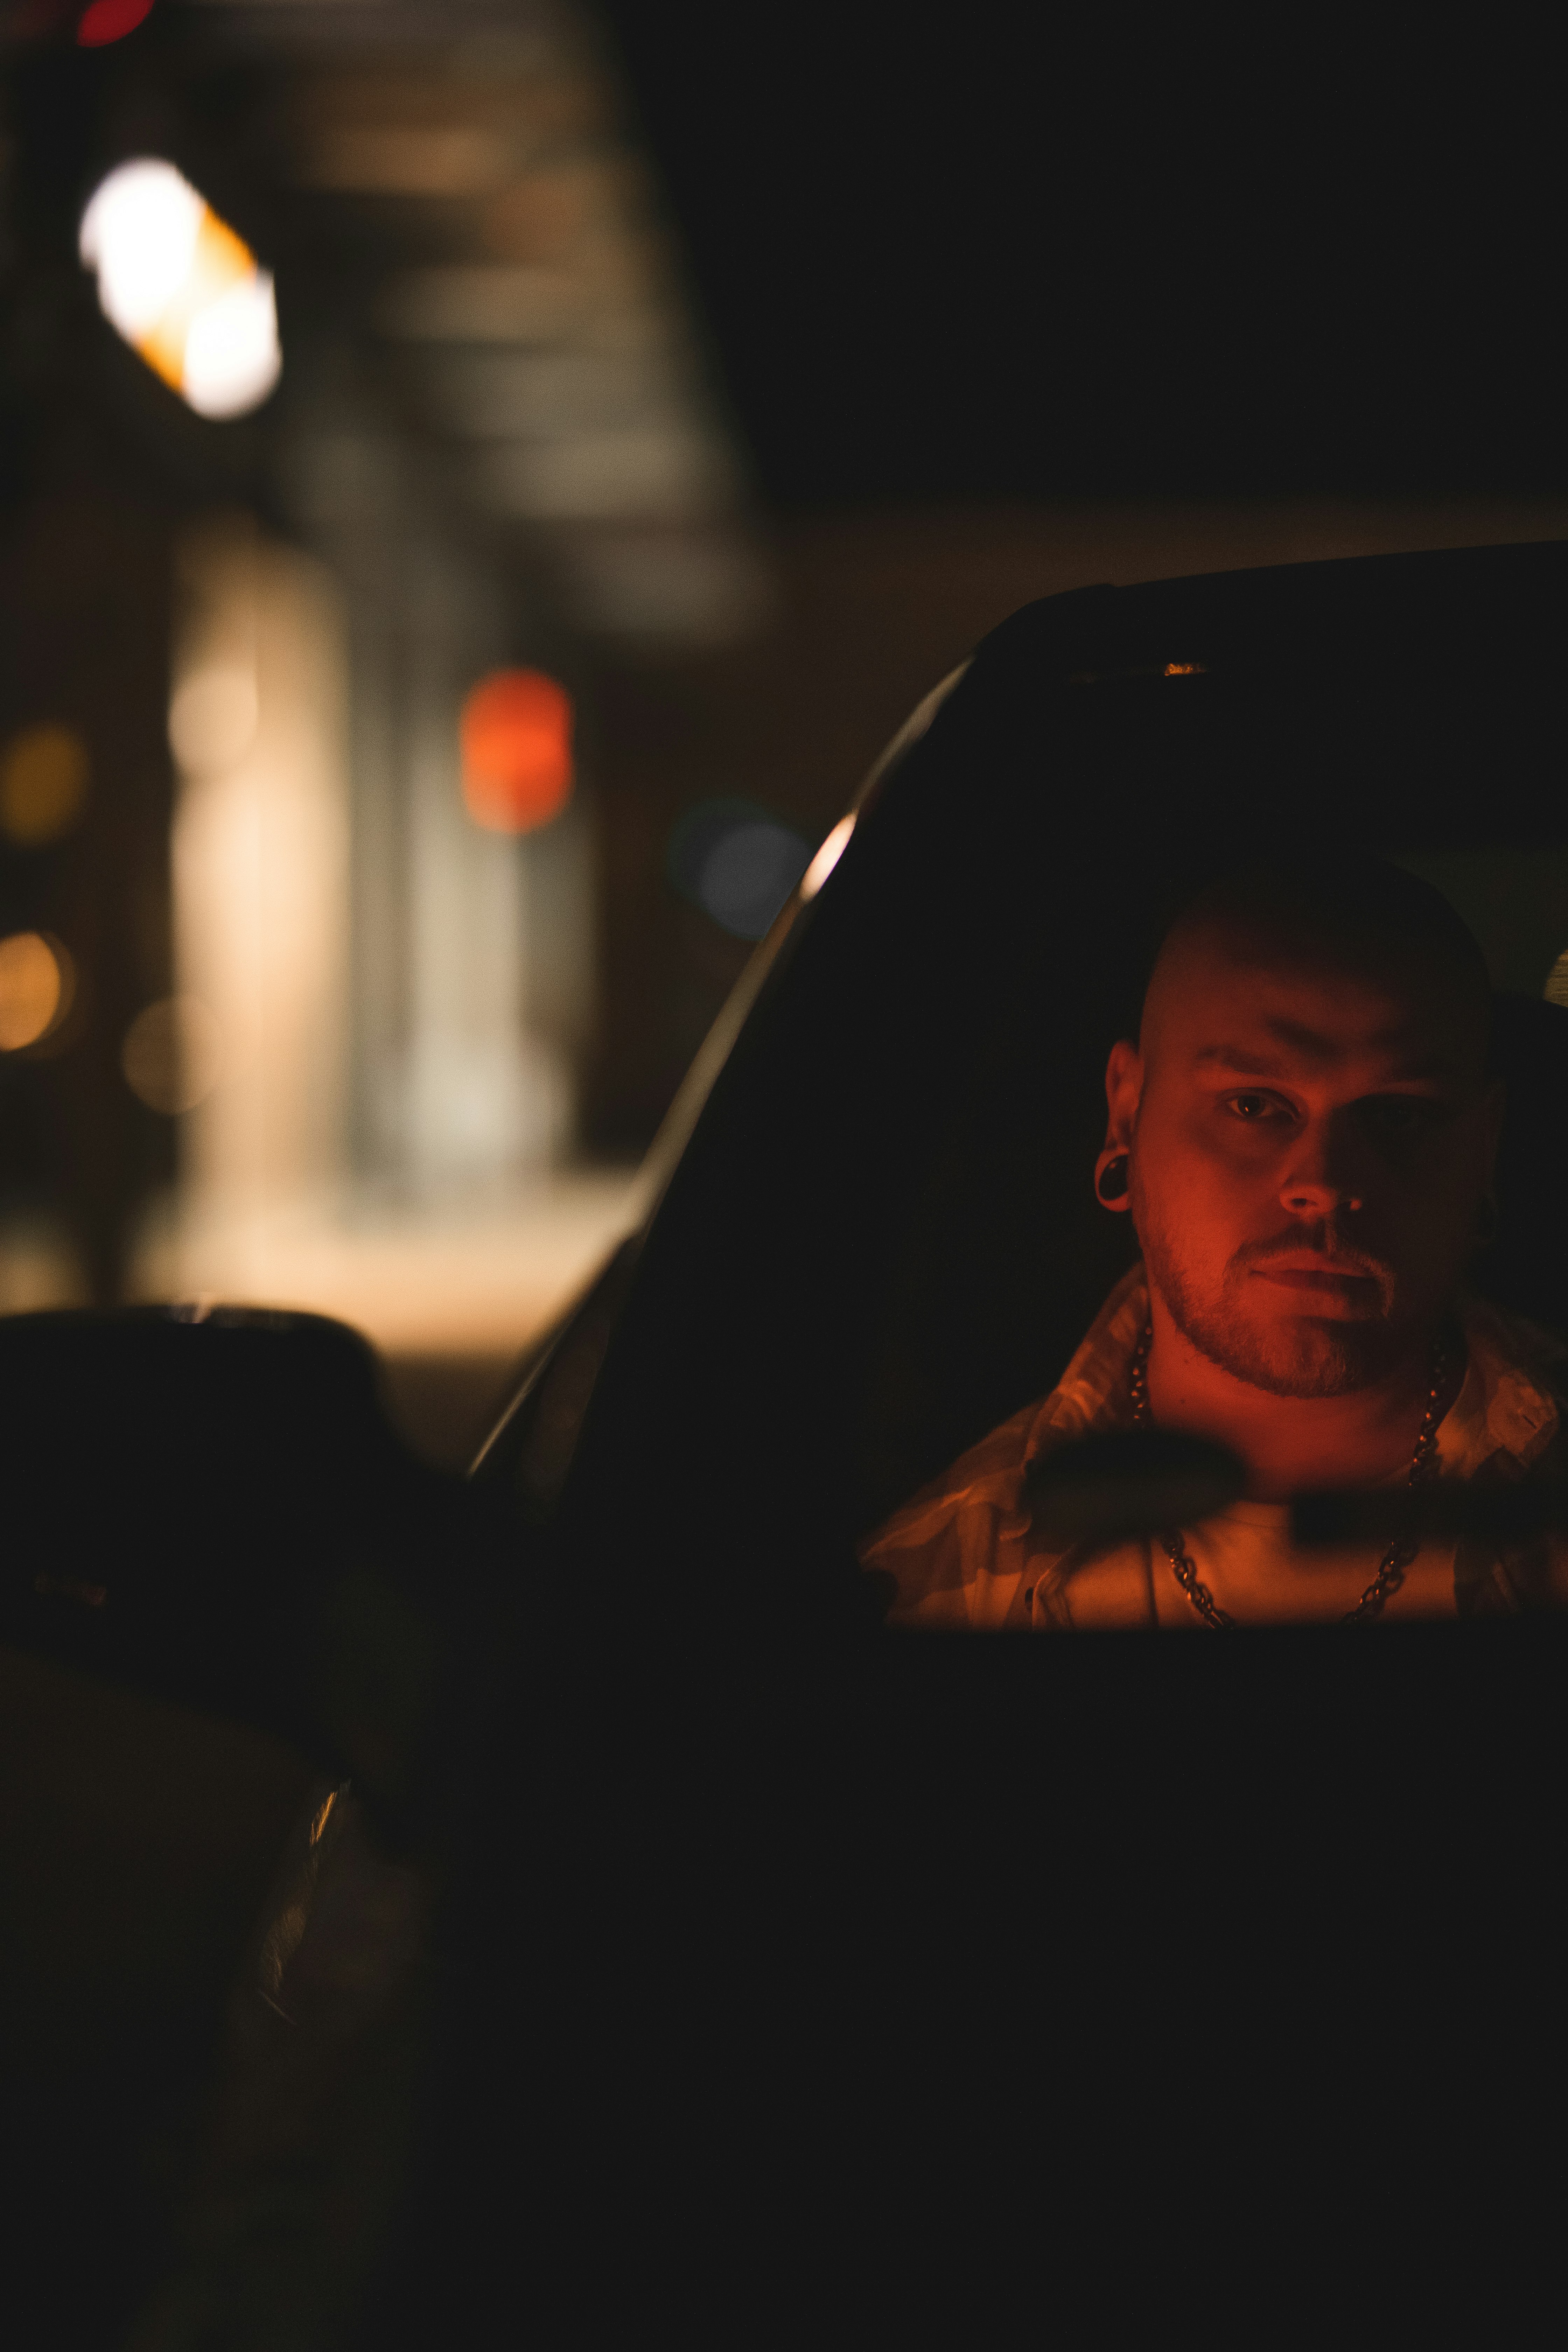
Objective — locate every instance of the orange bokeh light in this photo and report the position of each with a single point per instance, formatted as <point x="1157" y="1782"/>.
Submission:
<point x="517" y="751"/>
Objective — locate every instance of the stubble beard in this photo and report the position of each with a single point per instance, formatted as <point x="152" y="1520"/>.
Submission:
<point x="1295" y="1356"/>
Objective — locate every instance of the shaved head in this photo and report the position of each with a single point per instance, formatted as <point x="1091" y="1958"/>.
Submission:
<point x="1363" y="918"/>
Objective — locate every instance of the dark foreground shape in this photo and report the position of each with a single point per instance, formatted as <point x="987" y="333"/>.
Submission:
<point x="223" y="1581"/>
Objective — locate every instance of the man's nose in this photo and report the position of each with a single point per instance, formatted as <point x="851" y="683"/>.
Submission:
<point x="1316" y="1184"/>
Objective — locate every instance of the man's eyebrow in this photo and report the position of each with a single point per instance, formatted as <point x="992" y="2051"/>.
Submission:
<point x="1302" y="1044"/>
<point x="1249" y="1061"/>
<point x="1242" y="1059"/>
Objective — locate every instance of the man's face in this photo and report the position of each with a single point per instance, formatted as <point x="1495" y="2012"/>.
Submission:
<point x="1311" y="1145"/>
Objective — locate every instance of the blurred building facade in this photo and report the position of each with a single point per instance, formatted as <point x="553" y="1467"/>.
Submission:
<point x="356" y="1012"/>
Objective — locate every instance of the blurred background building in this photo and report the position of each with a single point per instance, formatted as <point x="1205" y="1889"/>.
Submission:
<point x="481" y="481"/>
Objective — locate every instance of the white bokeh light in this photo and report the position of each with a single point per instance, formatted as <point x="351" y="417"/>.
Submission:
<point x="232" y="354"/>
<point x="184" y="290"/>
<point x="140" y="235"/>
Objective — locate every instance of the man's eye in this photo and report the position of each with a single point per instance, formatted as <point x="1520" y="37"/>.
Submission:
<point x="1255" y="1107"/>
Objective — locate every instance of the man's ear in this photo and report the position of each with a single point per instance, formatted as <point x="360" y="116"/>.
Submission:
<point x="1123" y="1085"/>
<point x="1123" y="1088"/>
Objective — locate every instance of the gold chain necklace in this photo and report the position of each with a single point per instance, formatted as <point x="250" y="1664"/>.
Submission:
<point x="1395" y="1559"/>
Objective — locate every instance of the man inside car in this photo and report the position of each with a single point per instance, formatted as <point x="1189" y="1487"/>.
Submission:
<point x="1304" y="1135"/>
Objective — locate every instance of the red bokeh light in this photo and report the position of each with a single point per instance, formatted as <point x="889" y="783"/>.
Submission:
<point x="110" y="20"/>
<point x="517" y="751"/>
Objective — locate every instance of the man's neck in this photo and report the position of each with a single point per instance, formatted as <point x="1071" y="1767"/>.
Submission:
<point x="1288" y="1444"/>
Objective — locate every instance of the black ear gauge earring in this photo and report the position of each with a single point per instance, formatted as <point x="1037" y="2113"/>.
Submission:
<point x="1110" y="1185"/>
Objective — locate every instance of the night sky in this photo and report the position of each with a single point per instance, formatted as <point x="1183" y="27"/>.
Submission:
<point x="990" y="252"/>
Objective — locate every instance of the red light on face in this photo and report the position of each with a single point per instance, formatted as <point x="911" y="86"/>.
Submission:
<point x="517" y="751"/>
<point x="111" y="20"/>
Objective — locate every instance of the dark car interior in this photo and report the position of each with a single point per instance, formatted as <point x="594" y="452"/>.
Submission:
<point x="720" y="1859"/>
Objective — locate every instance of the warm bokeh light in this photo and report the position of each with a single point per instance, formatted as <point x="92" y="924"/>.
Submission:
<point x="35" y="989"/>
<point x="517" y="751"/>
<point x="184" y="290"/>
<point x="44" y="774"/>
<point x="826" y="857"/>
<point x="173" y="1055"/>
<point x="110" y="20"/>
<point x="212" y="718"/>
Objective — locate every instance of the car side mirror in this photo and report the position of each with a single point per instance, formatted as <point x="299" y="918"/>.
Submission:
<point x="214" y="1509"/>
